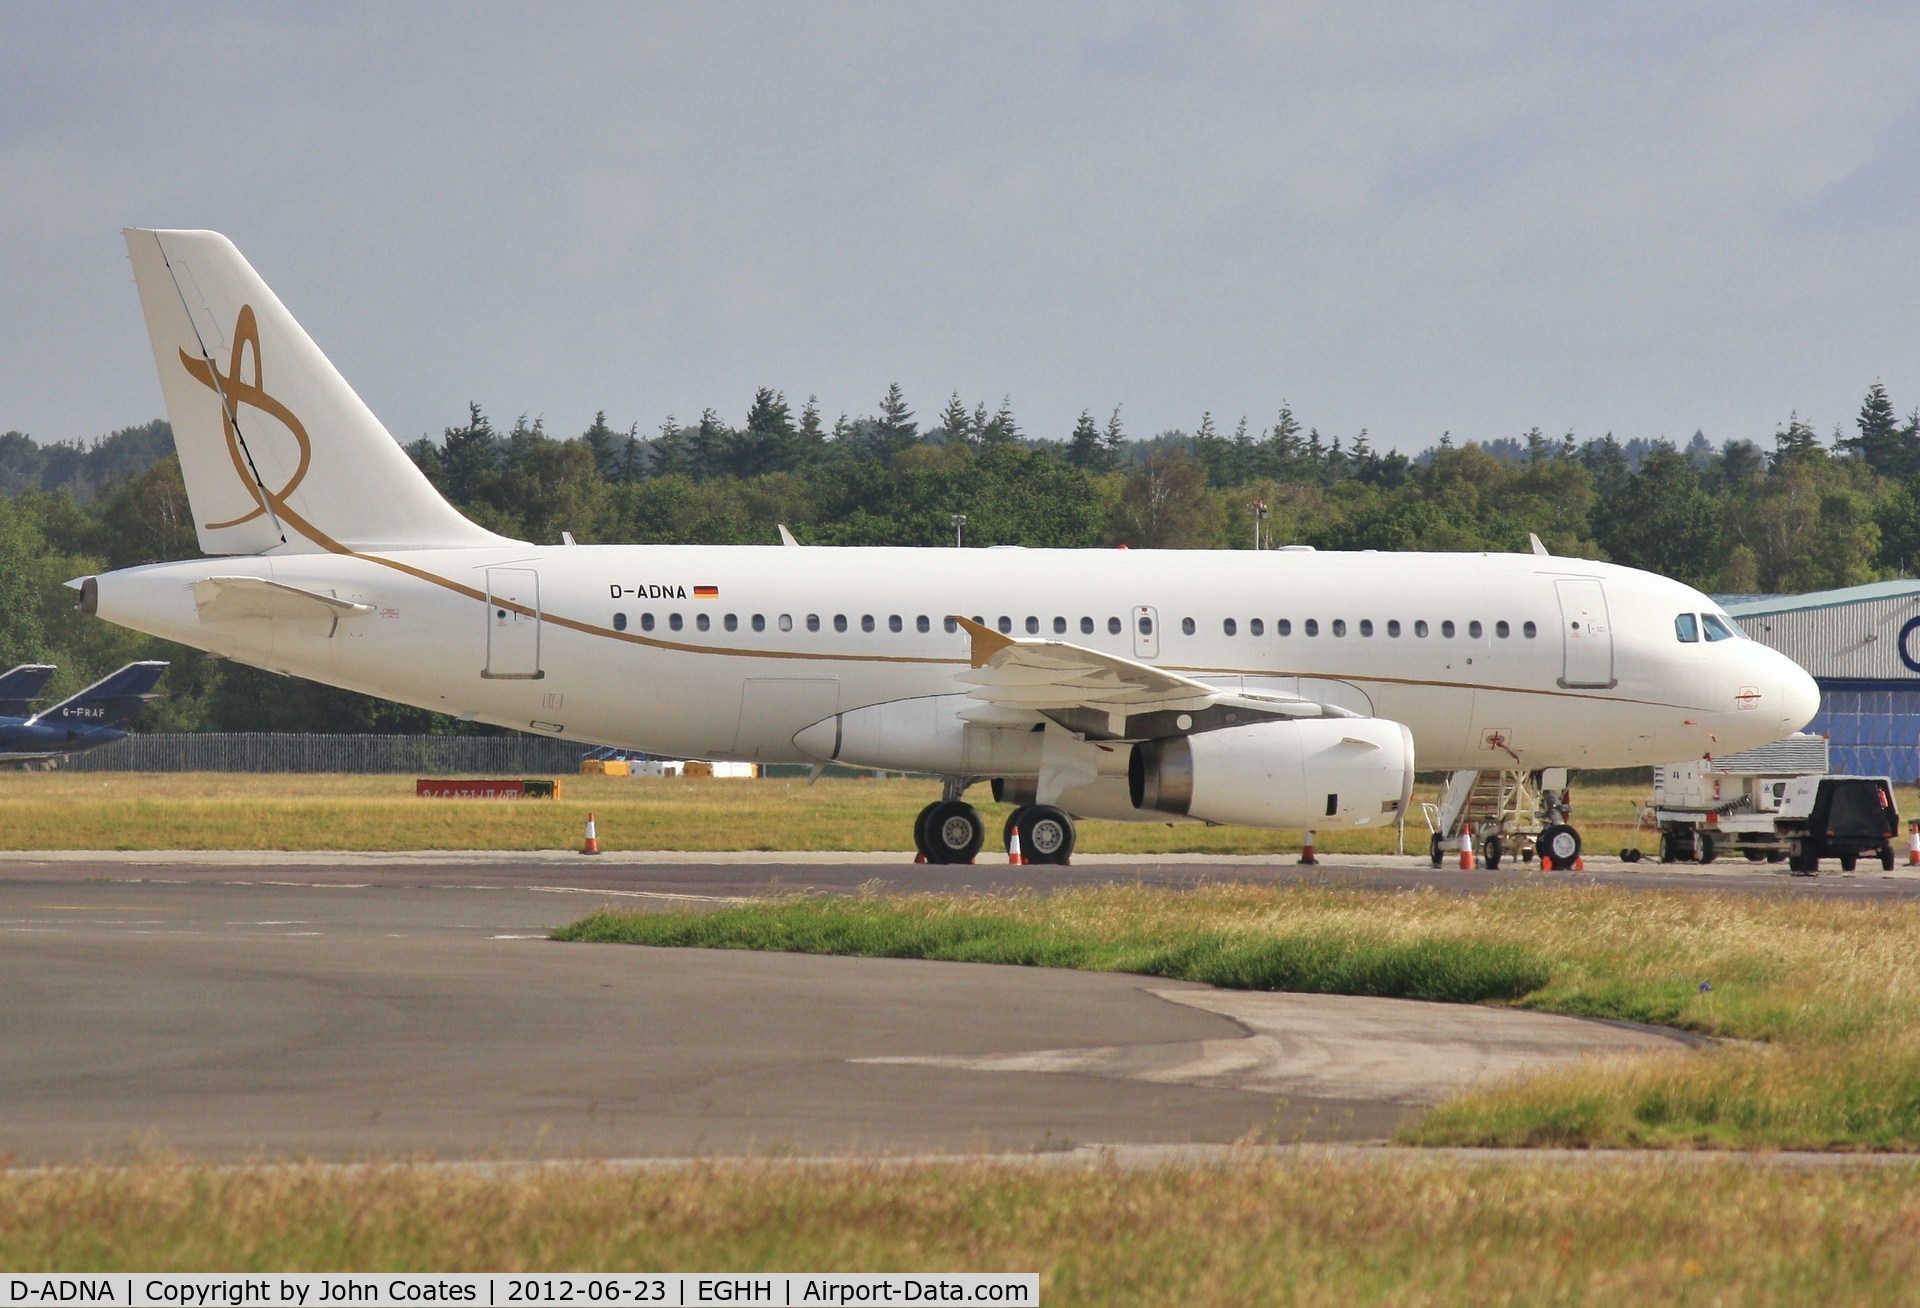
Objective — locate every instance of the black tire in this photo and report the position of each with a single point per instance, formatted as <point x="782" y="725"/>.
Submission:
<point x="1046" y="833"/>
<point x="1803" y="865"/>
<point x="1495" y="851"/>
<point x="1629" y="855"/>
<point x="1849" y="861"/>
<point x="954" y="832"/>
<point x="1433" y="849"/>
<point x="1560" y="844"/>
<point x="1755" y="855"/>
<point x="1886" y="856"/>
<point x="1706" y="846"/>
<point x="921" y="844"/>
<point x="1667" y="848"/>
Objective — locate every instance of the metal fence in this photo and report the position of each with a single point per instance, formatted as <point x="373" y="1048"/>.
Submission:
<point x="262" y="752"/>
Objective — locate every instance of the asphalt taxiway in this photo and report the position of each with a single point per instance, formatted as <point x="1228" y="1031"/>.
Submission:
<point x="270" y="1006"/>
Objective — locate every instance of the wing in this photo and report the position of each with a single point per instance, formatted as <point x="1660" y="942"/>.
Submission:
<point x="1106" y="697"/>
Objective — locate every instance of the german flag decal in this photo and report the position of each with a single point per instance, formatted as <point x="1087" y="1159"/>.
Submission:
<point x="706" y="592"/>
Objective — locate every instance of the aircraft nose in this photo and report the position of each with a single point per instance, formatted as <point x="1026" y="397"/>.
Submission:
<point x="1799" y="693"/>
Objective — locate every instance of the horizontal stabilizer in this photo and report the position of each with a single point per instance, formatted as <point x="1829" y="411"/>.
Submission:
<point x="232" y="599"/>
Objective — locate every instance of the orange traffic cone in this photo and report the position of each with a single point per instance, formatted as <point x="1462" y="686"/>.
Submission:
<point x="1306" y="852"/>
<point x="1466" y="846"/>
<point x="920" y="857"/>
<point x="1913" y="847"/>
<point x="592" y="845"/>
<point x="1013" y="849"/>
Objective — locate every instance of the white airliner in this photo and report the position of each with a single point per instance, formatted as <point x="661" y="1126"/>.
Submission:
<point x="1282" y="688"/>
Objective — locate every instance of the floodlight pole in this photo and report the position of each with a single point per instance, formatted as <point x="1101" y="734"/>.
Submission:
<point x="959" y="526"/>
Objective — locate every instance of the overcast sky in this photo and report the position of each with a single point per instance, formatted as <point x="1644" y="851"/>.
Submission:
<point x="1639" y="218"/>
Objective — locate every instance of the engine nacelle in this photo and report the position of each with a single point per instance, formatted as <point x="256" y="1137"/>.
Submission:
<point x="1105" y="798"/>
<point x="1313" y="773"/>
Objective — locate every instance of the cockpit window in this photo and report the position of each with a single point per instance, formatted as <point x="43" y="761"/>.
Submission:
<point x="1687" y="628"/>
<point x="1717" y="629"/>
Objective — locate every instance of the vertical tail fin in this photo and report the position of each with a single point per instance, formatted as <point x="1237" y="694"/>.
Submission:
<point x="109" y="702"/>
<point x="20" y="686"/>
<point x="278" y="452"/>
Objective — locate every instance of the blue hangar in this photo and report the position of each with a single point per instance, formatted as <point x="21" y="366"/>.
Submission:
<point x="1862" y="645"/>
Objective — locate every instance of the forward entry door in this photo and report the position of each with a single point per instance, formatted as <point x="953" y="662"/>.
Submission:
<point x="1586" y="634"/>
<point x="513" y="624"/>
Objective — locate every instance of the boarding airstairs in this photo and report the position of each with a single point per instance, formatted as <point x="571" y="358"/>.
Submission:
<point x="1508" y="809"/>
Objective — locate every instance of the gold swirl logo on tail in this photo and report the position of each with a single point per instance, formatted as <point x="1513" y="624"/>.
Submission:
<point x="236" y="390"/>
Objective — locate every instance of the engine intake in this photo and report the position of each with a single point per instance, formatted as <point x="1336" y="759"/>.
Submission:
<point x="1317" y="772"/>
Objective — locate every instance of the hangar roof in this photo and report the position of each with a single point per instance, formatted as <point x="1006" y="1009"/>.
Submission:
<point x="1755" y="606"/>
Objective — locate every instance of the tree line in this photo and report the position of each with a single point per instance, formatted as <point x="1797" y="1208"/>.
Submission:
<point x="1792" y="512"/>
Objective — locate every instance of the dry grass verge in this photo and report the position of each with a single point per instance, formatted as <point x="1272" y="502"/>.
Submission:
<point x="122" y="810"/>
<point x="1309" y="1230"/>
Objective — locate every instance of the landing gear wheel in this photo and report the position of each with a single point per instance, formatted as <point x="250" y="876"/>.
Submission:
<point x="1494" y="853"/>
<point x="1434" y="851"/>
<point x="1559" y="847"/>
<point x="922" y="842"/>
<point x="1848" y="862"/>
<point x="1046" y="833"/>
<point x="954" y="832"/>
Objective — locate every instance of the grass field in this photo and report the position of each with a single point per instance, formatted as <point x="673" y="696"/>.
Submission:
<point x="1310" y="1230"/>
<point x="1819" y="1001"/>
<point x="96" y="810"/>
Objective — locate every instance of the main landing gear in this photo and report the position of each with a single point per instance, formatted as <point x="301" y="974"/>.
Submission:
<point x="952" y="831"/>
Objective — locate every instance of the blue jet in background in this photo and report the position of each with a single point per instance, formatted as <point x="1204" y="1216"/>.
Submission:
<point x="20" y="687"/>
<point x="96" y="716"/>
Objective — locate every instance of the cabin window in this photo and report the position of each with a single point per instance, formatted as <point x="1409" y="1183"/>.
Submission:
<point x="1230" y="627"/>
<point x="1283" y="626"/>
<point x="1033" y="625"/>
<point x="1420" y="628"/>
<point x="1339" y="626"/>
<point x="731" y="622"/>
<point x="1716" y="629"/>
<point x="1501" y="629"/>
<point x="1687" y="628"/>
<point x="1474" y="629"/>
<point x="839" y="622"/>
<point x="1528" y="630"/>
<point x="1446" y="628"/>
<point x="922" y="625"/>
<point x="646" y="622"/>
<point x="1393" y="627"/>
<point x="866" y="622"/>
<point x="1113" y="626"/>
<point x="619" y="622"/>
<point x="1006" y="625"/>
<point x="759" y="622"/>
<point x="1186" y="626"/>
<point x="894" y="623"/>
<point x="1256" y="627"/>
<point x="674" y="621"/>
<point x="813" y="622"/>
<point x="1146" y="624"/>
<point x="950" y="624"/>
<point x="1366" y="626"/>
<point x="1086" y="626"/>
<point x="786" y="622"/>
<point x="702" y="621"/>
<point x="1059" y="626"/>
<point x="1311" y="626"/>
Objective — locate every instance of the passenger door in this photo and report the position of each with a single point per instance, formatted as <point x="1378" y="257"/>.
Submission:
<point x="1146" y="632"/>
<point x="513" y="625"/>
<point x="1586" y="634"/>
